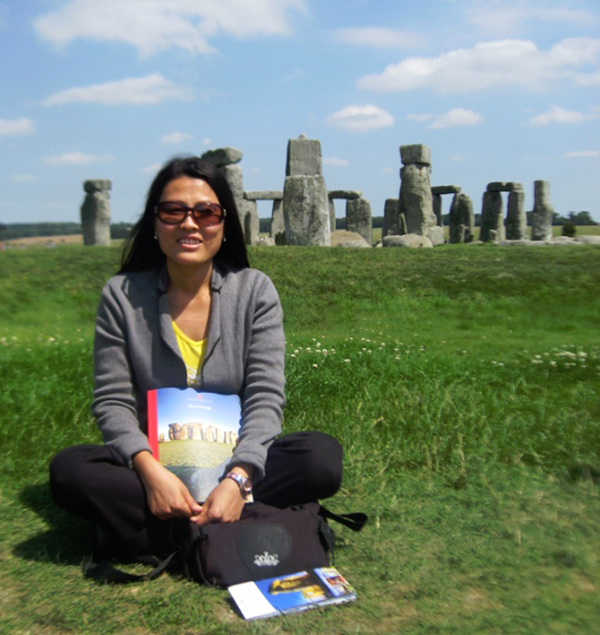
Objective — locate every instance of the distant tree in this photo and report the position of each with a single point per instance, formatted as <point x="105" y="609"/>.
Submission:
<point x="569" y="229"/>
<point x="120" y="230"/>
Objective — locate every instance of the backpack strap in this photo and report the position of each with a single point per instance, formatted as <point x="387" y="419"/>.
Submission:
<point x="355" y="521"/>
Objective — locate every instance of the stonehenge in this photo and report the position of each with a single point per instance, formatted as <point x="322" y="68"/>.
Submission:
<point x="303" y="211"/>
<point x="95" y="212"/>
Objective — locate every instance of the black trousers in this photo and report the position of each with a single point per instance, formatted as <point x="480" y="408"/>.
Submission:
<point x="94" y="482"/>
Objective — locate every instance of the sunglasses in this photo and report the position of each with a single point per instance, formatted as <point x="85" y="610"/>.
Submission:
<point x="205" y="214"/>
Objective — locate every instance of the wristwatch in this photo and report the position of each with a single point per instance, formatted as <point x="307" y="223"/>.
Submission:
<point x="243" y="481"/>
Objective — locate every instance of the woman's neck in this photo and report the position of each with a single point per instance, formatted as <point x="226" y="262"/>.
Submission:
<point x="190" y="280"/>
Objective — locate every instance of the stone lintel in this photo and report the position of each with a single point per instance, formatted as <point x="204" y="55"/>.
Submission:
<point x="416" y="153"/>
<point x="504" y="186"/>
<point x="348" y="195"/>
<point x="264" y="195"/>
<point x="446" y="189"/>
<point x="96" y="185"/>
<point x="223" y="156"/>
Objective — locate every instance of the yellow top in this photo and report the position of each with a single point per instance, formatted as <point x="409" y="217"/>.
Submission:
<point x="192" y="353"/>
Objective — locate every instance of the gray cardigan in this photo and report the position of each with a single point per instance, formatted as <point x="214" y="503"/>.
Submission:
<point x="135" y="350"/>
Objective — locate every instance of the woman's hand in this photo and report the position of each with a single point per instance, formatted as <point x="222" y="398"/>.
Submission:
<point x="167" y="496"/>
<point x="223" y="505"/>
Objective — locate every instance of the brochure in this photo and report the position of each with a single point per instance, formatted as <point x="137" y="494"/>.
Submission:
<point x="291" y="593"/>
<point x="193" y="434"/>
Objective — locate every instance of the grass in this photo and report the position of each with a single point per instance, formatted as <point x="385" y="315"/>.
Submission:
<point x="462" y="382"/>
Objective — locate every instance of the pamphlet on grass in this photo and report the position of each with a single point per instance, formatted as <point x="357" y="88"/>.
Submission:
<point x="291" y="593"/>
<point x="193" y="434"/>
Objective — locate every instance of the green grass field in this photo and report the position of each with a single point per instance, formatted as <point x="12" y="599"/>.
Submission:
<point x="463" y="382"/>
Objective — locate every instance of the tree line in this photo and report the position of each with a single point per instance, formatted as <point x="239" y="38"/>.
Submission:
<point x="12" y="231"/>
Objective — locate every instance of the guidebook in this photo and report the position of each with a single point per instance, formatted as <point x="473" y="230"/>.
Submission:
<point x="291" y="593"/>
<point x="193" y="434"/>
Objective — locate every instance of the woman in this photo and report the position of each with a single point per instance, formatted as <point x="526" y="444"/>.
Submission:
<point x="185" y="290"/>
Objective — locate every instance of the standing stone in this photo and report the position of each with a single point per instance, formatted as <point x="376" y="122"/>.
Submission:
<point x="542" y="212"/>
<point x="251" y="223"/>
<point x="358" y="218"/>
<point x="227" y="159"/>
<point x="390" y="218"/>
<point x="305" y="201"/>
<point x="331" y="215"/>
<point x="492" y="217"/>
<point x="95" y="212"/>
<point x="516" y="219"/>
<point x="278" y="222"/>
<point x="462" y="219"/>
<point x="416" y="201"/>
<point x="437" y="208"/>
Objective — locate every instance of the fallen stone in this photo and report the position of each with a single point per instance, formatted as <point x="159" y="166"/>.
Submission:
<point x="416" y="153"/>
<point x="589" y="240"/>
<point x="343" y="238"/>
<point x="266" y="241"/>
<point x="413" y="241"/>
<point x="223" y="156"/>
<point x="436" y="235"/>
<point x="344" y="194"/>
<point x="445" y="189"/>
<point x="264" y="195"/>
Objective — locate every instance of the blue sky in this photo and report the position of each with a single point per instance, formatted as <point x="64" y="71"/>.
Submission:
<point x="499" y="90"/>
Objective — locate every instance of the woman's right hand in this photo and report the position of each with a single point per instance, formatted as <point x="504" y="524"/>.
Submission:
<point x="167" y="496"/>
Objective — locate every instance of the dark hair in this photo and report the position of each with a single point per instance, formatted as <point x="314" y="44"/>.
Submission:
<point x="141" y="251"/>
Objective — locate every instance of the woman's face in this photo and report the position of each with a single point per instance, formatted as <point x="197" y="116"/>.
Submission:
<point x="188" y="243"/>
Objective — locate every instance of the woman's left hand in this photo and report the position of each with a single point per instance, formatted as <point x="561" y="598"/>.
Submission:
<point x="223" y="505"/>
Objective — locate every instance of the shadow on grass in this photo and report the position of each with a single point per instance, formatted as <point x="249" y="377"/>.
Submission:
<point x="68" y="540"/>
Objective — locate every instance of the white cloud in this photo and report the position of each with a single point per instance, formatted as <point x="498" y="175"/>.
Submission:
<point x="458" y="158"/>
<point x="389" y="170"/>
<point x="75" y="158"/>
<point x="174" y="138"/>
<point x="380" y="37"/>
<point x="456" y="117"/>
<point x="582" y="154"/>
<point x="154" y="25"/>
<point x="556" y="114"/>
<point x="499" y="64"/>
<point x="361" y="118"/>
<point x="152" y="169"/>
<point x="134" y="91"/>
<point x="22" y="178"/>
<point x="500" y="18"/>
<point x="335" y="162"/>
<point x="16" y="126"/>
<point x="205" y="141"/>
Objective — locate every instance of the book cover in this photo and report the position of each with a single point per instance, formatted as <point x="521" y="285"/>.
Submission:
<point x="193" y="434"/>
<point x="291" y="593"/>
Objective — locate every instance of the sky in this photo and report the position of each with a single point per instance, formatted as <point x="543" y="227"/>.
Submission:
<point x="498" y="90"/>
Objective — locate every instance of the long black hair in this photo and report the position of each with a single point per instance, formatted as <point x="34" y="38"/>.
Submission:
<point x="141" y="251"/>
